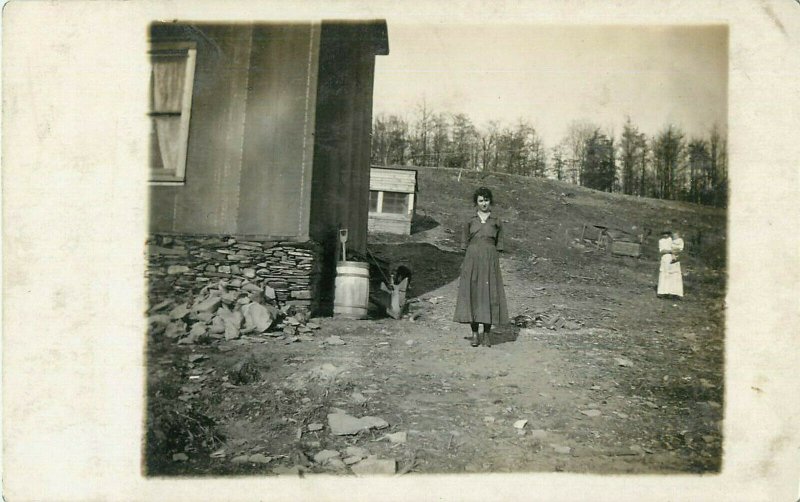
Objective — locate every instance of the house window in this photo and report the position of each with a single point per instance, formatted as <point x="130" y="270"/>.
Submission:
<point x="373" y="201"/>
<point x="171" y="82"/>
<point x="395" y="202"/>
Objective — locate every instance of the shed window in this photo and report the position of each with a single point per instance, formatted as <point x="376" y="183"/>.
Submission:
<point x="373" y="201"/>
<point x="171" y="83"/>
<point x="395" y="202"/>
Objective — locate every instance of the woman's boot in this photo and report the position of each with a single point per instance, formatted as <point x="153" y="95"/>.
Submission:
<point x="476" y="340"/>
<point x="487" y="340"/>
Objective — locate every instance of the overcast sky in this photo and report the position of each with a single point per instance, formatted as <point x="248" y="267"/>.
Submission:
<point x="553" y="75"/>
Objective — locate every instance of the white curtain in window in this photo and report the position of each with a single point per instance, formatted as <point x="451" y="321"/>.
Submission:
<point x="169" y="73"/>
<point x="168" y="130"/>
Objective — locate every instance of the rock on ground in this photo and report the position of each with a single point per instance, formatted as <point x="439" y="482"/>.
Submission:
<point x="325" y="455"/>
<point x="159" y="319"/>
<point x="374" y="423"/>
<point x="179" y="312"/>
<point x="356" y="451"/>
<point x="175" y="329"/>
<point x="258" y="316"/>
<point x="397" y="437"/>
<point x="210" y="304"/>
<point x="335" y="464"/>
<point x="373" y="465"/>
<point x="295" y="470"/>
<point x="538" y="434"/>
<point x="342" y="424"/>
<point x="260" y="458"/>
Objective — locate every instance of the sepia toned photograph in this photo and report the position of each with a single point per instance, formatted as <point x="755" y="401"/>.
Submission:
<point x="381" y="248"/>
<point x="510" y="250"/>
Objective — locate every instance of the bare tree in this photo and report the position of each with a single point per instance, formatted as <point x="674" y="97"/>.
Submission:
<point x="633" y="146"/>
<point x="380" y="143"/>
<point x="463" y="142"/>
<point x="577" y="135"/>
<point x="558" y="165"/>
<point x="536" y="156"/>
<point x="718" y="168"/>
<point x="421" y="136"/>
<point x="699" y="162"/>
<point x="488" y="146"/>
<point x="663" y="166"/>
<point x="668" y="161"/>
<point x="440" y="139"/>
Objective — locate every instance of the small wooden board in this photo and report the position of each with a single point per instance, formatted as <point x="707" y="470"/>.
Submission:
<point x="622" y="248"/>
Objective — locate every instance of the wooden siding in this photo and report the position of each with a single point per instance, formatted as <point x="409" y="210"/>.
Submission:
<point x="207" y="201"/>
<point x="393" y="180"/>
<point x="340" y="183"/>
<point x="390" y="223"/>
<point x="278" y="148"/>
<point x="250" y="146"/>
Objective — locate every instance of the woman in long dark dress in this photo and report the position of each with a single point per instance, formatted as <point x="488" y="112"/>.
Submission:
<point x="481" y="297"/>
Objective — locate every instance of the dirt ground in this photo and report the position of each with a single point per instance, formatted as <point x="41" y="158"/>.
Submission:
<point x="629" y="383"/>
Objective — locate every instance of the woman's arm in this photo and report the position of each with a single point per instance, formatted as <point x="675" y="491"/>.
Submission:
<point x="464" y="236"/>
<point x="499" y="244"/>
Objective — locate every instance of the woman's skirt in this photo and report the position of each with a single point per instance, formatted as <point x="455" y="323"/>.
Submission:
<point x="670" y="279"/>
<point x="481" y="297"/>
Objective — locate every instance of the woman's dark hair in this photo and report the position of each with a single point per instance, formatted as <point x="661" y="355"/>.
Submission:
<point x="483" y="192"/>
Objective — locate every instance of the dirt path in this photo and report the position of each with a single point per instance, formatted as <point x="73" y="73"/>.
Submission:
<point x="625" y="382"/>
<point x="595" y="399"/>
<point x="462" y="402"/>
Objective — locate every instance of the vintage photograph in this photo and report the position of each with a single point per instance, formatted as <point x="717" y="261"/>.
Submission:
<point x="509" y="250"/>
<point x="381" y="248"/>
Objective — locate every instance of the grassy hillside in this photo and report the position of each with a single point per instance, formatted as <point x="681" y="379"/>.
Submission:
<point x="544" y="220"/>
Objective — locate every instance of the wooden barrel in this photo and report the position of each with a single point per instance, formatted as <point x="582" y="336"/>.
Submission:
<point x="351" y="297"/>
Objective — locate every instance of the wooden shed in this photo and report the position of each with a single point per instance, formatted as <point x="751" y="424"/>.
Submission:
<point x="262" y="131"/>
<point x="392" y="199"/>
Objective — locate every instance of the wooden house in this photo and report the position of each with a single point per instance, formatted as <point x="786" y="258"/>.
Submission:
<point x="261" y="133"/>
<point x="392" y="199"/>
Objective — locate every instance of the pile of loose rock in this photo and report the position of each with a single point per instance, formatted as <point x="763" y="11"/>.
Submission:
<point x="544" y="319"/>
<point x="359" y="460"/>
<point x="226" y="311"/>
<point x="180" y="266"/>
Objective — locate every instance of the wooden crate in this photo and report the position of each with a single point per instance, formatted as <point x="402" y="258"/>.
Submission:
<point x="622" y="248"/>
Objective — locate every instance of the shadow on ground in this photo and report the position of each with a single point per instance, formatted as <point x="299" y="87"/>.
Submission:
<point x="431" y="267"/>
<point x="504" y="334"/>
<point x="421" y="223"/>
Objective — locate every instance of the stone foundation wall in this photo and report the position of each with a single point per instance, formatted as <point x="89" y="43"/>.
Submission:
<point x="180" y="266"/>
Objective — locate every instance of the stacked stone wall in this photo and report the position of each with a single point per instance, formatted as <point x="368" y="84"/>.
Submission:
<point x="180" y="266"/>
